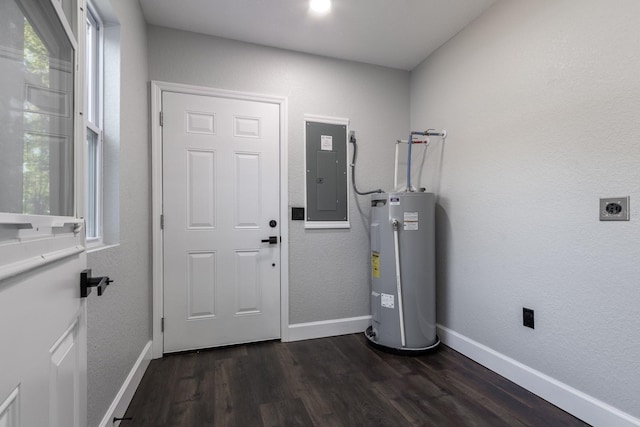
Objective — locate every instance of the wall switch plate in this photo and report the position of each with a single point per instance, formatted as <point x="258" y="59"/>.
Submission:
<point x="614" y="209"/>
<point x="527" y="317"/>
<point x="297" y="214"/>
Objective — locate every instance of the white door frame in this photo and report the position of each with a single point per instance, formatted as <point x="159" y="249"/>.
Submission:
<point x="157" y="87"/>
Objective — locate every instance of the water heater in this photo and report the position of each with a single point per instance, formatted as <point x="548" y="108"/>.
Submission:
<point x="403" y="291"/>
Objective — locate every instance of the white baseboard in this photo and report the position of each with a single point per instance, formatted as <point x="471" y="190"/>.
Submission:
<point x="575" y="402"/>
<point x="328" y="328"/>
<point x="125" y="394"/>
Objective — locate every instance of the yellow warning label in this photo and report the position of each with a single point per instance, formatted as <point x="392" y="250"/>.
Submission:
<point x="375" y="265"/>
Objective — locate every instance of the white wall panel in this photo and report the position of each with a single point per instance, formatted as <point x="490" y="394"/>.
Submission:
<point x="541" y="112"/>
<point x="118" y="331"/>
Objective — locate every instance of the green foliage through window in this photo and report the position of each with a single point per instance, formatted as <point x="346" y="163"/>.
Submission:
<point x="35" y="166"/>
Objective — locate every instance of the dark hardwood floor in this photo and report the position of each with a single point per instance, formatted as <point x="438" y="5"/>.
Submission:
<point x="338" y="381"/>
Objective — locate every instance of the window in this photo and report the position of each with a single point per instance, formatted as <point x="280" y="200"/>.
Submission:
<point x="95" y="133"/>
<point x="36" y="109"/>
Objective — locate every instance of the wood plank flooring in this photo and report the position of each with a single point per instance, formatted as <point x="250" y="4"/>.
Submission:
<point x="338" y="381"/>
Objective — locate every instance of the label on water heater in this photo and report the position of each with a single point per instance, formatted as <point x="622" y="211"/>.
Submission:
<point x="394" y="201"/>
<point x="375" y="265"/>
<point x="410" y="221"/>
<point x="386" y="300"/>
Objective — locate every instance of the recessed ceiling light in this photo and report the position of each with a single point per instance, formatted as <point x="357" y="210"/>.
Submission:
<point x="320" y="6"/>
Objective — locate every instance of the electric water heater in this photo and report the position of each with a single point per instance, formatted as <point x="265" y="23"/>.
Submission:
<point x="403" y="294"/>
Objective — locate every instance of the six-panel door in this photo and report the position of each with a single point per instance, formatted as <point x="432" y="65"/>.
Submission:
<point x="220" y="192"/>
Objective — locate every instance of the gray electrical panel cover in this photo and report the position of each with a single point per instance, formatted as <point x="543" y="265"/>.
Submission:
<point x="326" y="168"/>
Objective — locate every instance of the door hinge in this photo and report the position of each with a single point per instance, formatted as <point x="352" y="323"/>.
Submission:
<point x="161" y="119"/>
<point x="162" y="325"/>
<point x="161" y="221"/>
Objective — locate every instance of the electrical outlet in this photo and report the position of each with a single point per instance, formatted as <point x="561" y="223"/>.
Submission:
<point x="614" y="209"/>
<point x="527" y="317"/>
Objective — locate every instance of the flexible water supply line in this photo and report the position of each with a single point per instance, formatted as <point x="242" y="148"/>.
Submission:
<point x="352" y="139"/>
<point x="396" y="224"/>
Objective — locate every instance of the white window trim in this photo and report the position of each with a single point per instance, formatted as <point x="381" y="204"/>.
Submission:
<point x="97" y="128"/>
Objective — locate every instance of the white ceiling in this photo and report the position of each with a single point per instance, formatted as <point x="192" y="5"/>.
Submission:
<point x="391" y="33"/>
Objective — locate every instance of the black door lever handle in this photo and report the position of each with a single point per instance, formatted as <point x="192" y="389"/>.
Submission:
<point x="87" y="282"/>
<point x="272" y="240"/>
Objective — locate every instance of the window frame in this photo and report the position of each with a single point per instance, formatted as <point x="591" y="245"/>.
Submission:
<point x="94" y="123"/>
<point x="43" y="224"/>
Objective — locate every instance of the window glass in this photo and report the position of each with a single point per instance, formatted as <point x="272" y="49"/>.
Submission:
<point x="93" y="96"/>
<point x="93" y="183"/>
<point x="92" y="68"/>
<point x="36" y="110"/>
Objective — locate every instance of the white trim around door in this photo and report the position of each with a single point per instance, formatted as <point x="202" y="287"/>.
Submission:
<point x="157" y="87"/>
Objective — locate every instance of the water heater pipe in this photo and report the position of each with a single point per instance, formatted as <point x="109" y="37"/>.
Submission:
<point x="395" y="169"/>
<point x="396" y="224"/>
<point x="409" y="164"/>
<point x="427" y="133"/>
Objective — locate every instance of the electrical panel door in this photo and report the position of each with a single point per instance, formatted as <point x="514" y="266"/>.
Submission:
<point x="326" y="172"/>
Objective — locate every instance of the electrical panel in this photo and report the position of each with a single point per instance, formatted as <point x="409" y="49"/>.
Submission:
<point x="326" y="174"/>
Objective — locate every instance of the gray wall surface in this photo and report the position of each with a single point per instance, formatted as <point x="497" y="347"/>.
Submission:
<point x="119" y="322"/>
<point x="328" y="269"/>
<point x="541" y="101"/>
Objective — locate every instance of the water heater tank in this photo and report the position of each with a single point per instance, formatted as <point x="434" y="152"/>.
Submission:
<point x="403" y="291"/>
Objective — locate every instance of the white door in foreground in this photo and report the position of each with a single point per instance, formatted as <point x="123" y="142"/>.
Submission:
<point x="42" y="317"/>
<point x="43" y="334"/>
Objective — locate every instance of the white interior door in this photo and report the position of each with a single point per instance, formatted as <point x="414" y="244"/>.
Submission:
<point x="43" y="334"/>
<point x="220" y="201"/>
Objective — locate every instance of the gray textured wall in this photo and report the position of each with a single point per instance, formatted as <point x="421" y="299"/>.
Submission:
<point x="329" y="269"/>
<point x="119" y="322"/>
<point x="541" y="101"/>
